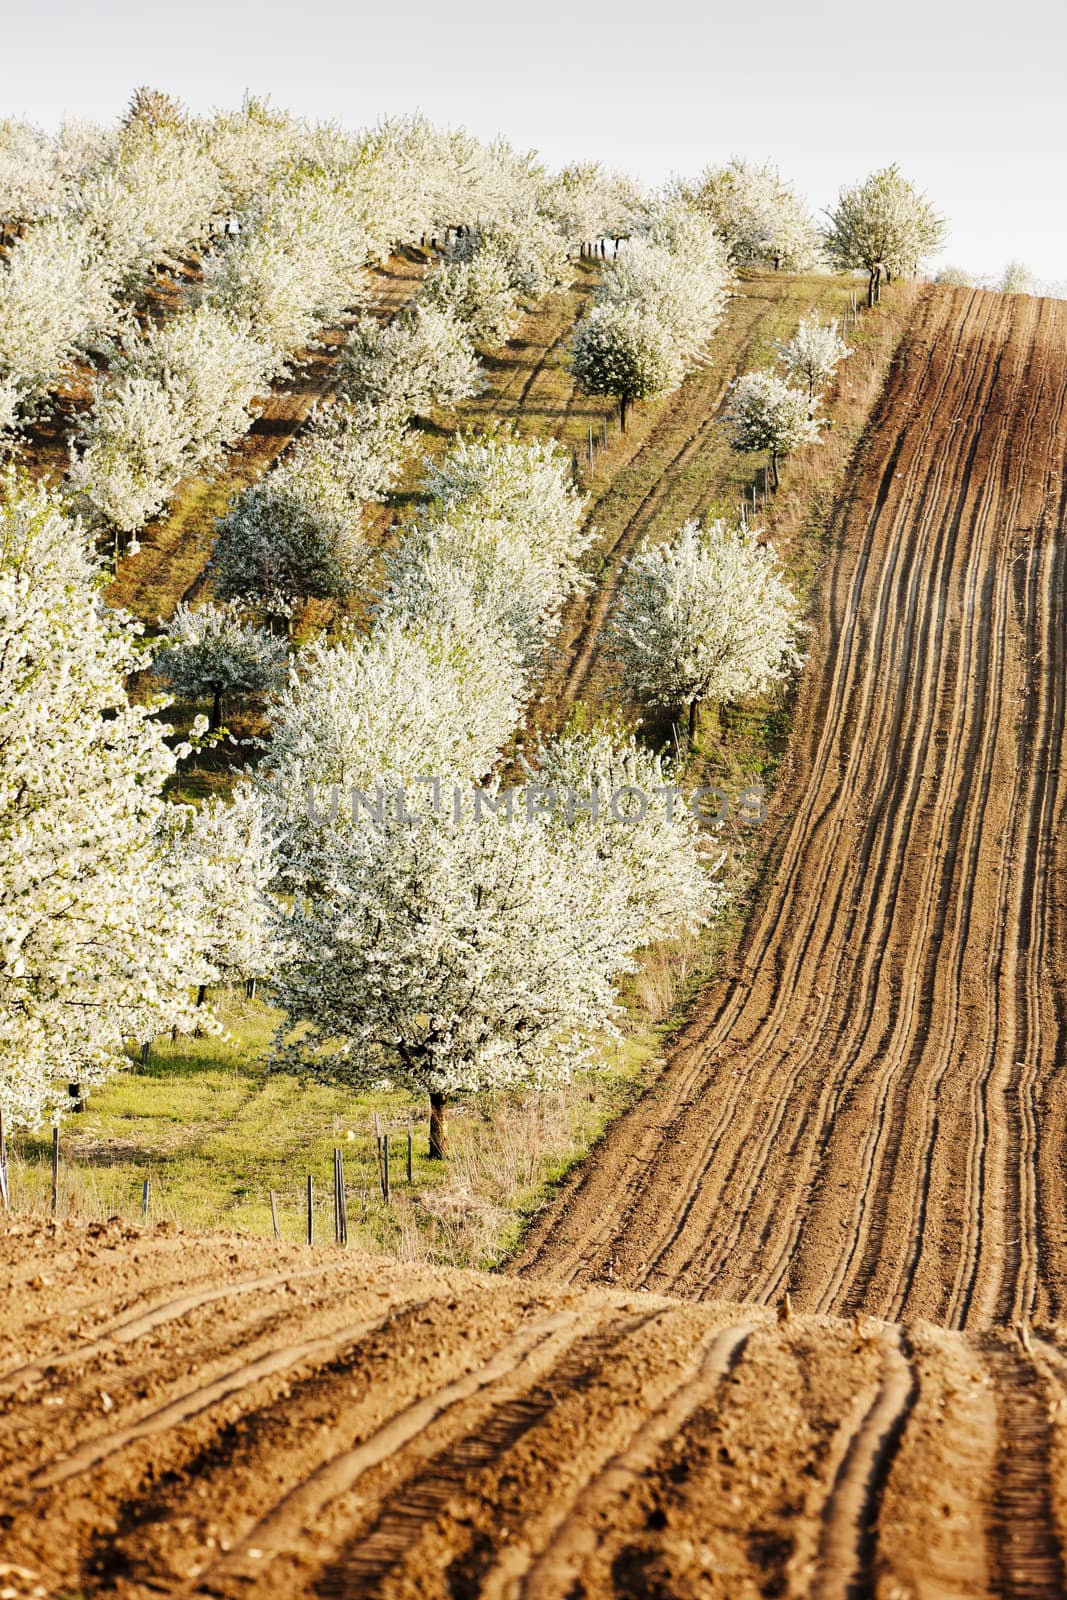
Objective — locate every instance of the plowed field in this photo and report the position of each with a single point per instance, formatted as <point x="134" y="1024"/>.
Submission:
<point x="204" y="1417"/>
<point x="869" y="1111"/>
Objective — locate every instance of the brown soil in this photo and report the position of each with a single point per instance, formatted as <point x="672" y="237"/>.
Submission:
<point x="202" y="1416"/>
<point x="868" y="1111"/>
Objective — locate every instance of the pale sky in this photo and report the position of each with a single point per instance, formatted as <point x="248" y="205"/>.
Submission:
<point x="968" y="100"/>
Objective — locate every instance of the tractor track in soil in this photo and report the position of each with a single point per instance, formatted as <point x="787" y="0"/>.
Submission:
<point x="863" y="1112"/>
<point x="329" y="1424"/>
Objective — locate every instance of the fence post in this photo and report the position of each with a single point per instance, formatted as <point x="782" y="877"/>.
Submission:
<point x="311" y="1202"/>
<point x="340" y="1207"/>
<point x="385" y="1168"/>
<point x="591" y="447"/>
<point x="411" y="1143"/>
<point x="5" y="1193"/>
<point x="146" y="1190"/>
<point x="146" y="1052"/>
<point x="55" y="1169"/>
<point x="274" y="1214"/>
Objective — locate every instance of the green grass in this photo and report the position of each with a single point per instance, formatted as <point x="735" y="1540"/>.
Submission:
<point x="215" y="1131"/>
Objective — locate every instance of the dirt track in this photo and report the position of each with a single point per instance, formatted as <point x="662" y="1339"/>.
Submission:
<point x="869" y="1111"/>
<point x="209" y="1417"/>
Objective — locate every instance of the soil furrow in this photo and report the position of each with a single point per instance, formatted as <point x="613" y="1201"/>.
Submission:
<point x="1026" y="1556"/>
<point x="846" y="1559"/>
<point x="857" y="1114"/>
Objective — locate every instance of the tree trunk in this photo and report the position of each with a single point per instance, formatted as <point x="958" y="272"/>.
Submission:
<point x="623" y="407"/>
<point x="438" y="1141"/>
<point x="774" y="469"/>
<point x="871" y="276"/>
<point x="201" y="994"/>
<point x="216" y="711"/>
<point x="693" y="704"/>
<point x="77" y="1096"/>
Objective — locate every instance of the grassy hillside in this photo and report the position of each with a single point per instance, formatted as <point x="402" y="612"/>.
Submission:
<point x="205" y="1121"/>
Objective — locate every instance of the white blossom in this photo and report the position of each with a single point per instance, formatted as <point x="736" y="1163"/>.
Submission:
<point x="153" y="200"/>
<point x="421" y="358"/>
<point x="171" y="400"/>
<point x="812" y="354"/>
<point x="408" y="700"/>
<point x="884" y="225"/>
<point x="587" y="203"/>
<point x="764" y="412"/>
<point x="225" y="860"/>
<point x="297" y="532"/>
<point x="757" y="214"/>
<point x="1017" y="279"/>
<point x="29" y="181"/>
<point x="627" y="353"/>
<point x="955" y="278"/>
<point x="501" y="478"/>
<point x="445" y="564"/>
<point x="626" y="804"/>
<point x="655" y="310"/>
<point x="53" y="294"/>
<point x="450" y="956"/>
<point x="707" y="614"/>
<point x="213" y="652"/>
<point x="95" y="944"/>
<point x="299" y="261"/>
<point x="478" y="293"/>
<point x="534" y="252"/>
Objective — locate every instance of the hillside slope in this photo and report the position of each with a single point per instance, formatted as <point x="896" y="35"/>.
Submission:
<point x="869" y="1110"/>
<point x="207" y="1416"/>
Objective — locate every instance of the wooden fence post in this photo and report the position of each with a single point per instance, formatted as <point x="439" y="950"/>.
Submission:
<point x="385" y="1168"/>
<point x="411" y="1145"/>
<point x="5" y="1192"/>
<point x="55" y="1169"/>
<point x="274" y="1214"/>
<point x="146" y="1191"/>
<point x="311" y="1202"/>
<point x="340" y="1205"/>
